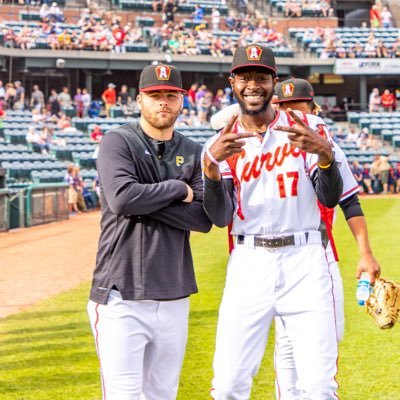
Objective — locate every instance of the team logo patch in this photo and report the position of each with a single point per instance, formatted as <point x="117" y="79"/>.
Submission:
<point x="287" y="89"/>
<point x="163" y="72"/>
<point x="179" y="160"/>
<point x="323" y="131"/>
<point x="254" y="53"/>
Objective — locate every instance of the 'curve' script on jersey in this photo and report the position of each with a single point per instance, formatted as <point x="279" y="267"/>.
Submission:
<point x="252" y="169"/>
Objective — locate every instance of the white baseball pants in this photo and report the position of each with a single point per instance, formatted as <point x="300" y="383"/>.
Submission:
<point x="293" y="283"/>
<point x="285" y="369"/>
<point x="140" y="346"/>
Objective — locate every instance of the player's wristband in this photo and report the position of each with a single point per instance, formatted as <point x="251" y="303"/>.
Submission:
<point x="212" y="158"/>
<point x="327" y="165"/>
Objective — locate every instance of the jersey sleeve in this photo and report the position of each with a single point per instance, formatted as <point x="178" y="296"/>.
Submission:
<point x="319" y="125"/>
<point x="350" y="185"/>
<point x="224" y="168"/>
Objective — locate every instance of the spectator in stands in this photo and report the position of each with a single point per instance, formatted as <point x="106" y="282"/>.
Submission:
<point x="367" y="178"/>
<point x="44" y="11"/>
<point x="87" y="196"/>
<point x="357" y="173"/>
<point x="78" y="103"/>
<point x="78" y="186"/>
<point x="292" y="9"/>
<point x="375" y="174"/>
<point x="157" y="5"/>
<point x="109" y="98"/>
<point x="53" y="104"/>
<point x="38" y="144"/>
<point x="191" y="95"/>
<point x="55" y="13"/>
<point x="204" y="107"/>
<point x="72" y="193"/>
<point x="372" y="142"/>
<point x="86" y="100"/>
<point x="397" y="177"/>
<point x="374" y="100"/>
<point x="198" y="14"/>
<point x="64" y="122"/>
<point x="96" y="135"/>
<point x="215" y="19"/>
<point x="124" y="98"/>
<point x="384" y="168"/>
<point x="169" y="11"/>
<point x="20" y="96"/>
<point x="2" y="91"/>
<point x="94" y="109"/>
<point x="352" y="135"/>
<point x="119" y="36"/>
<point x="388" y="101"/>
<point x="375" y="17"/>
<point x="64" y="98"/>
<point x="387" y="18"/>
<point x="10" y="96"/>
<point x="381" y="50"/>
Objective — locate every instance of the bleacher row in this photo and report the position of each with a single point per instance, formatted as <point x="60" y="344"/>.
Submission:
<point x="184" y="8"/>
<point x="280" y="5"/>
<point x="24" y="165"/>
<point x="347" y="36"/>
<point x="385" y="125"/>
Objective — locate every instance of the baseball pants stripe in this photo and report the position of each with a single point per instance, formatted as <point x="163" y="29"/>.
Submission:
<point x="285" y="369"/>
<point x="140" y="346"/>
<point x="293" y="283"/>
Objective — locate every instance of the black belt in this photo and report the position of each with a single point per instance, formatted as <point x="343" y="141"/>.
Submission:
<point x="271" y="243"/>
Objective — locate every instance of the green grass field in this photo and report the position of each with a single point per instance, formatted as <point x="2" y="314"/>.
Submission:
<point x="47" y="352"/>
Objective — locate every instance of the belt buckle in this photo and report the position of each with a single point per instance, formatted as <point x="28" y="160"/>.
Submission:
<point x="270" y="244"/>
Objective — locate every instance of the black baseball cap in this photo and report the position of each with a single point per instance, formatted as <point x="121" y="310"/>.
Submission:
<point x="160" y="77"/>
<point x="294" y="89"/>
<point x="254" y="55"/>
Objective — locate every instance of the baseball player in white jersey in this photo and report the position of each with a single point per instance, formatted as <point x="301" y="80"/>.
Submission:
<point x="297" y="94"/>
<point x="264" y="174"/>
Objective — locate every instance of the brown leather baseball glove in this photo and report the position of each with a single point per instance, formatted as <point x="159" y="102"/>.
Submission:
<point x="384" y="303"/>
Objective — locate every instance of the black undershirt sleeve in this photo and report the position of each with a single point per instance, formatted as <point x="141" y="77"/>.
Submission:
<point x="351" y="207"/>
<point x="218" y="201"/>
<point x="328" y="185"/>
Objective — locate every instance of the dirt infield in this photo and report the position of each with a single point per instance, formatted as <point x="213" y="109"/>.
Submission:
<point x="40" y="262"/>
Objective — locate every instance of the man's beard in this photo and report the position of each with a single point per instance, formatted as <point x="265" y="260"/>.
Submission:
<point x="253" y="112"/>
<point x="161" y="123"/>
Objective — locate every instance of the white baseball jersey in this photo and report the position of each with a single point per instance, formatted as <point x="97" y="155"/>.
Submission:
<point x="273" y="192"/>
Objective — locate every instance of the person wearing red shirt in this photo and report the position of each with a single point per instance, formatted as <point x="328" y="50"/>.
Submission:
<point x="375" y="17"/>
<point x="388" y="101"/>
<point x="119" y="35"/>
<point x="109" y="97"/>
<point x="96" y="134"/>
<point x="191" y="94"/>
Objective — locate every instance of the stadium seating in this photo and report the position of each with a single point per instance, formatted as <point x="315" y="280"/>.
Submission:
<point x="348" y="37"/>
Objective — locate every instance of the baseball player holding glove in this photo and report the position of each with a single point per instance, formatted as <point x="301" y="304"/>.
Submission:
<point x="297" y="94"/>
<point x="264" y="174"/>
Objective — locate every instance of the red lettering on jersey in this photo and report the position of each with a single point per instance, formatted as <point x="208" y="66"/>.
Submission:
<point x="268" y="160"/>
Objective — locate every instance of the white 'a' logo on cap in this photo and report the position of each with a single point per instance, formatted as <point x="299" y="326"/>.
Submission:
<point x="163" y="72"/>
<point x="287" y="89"/>
<point x="254" y="53"/>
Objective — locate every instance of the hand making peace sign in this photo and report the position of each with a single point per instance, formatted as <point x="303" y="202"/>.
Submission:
<point x="308" y="140"/>
<point x="229" y="143"/>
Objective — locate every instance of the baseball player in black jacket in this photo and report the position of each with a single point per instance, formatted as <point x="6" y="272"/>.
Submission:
<point x="151" y="196"/>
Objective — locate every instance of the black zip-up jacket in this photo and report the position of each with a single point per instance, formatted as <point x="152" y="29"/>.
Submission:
<point x="144" y="246"/>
